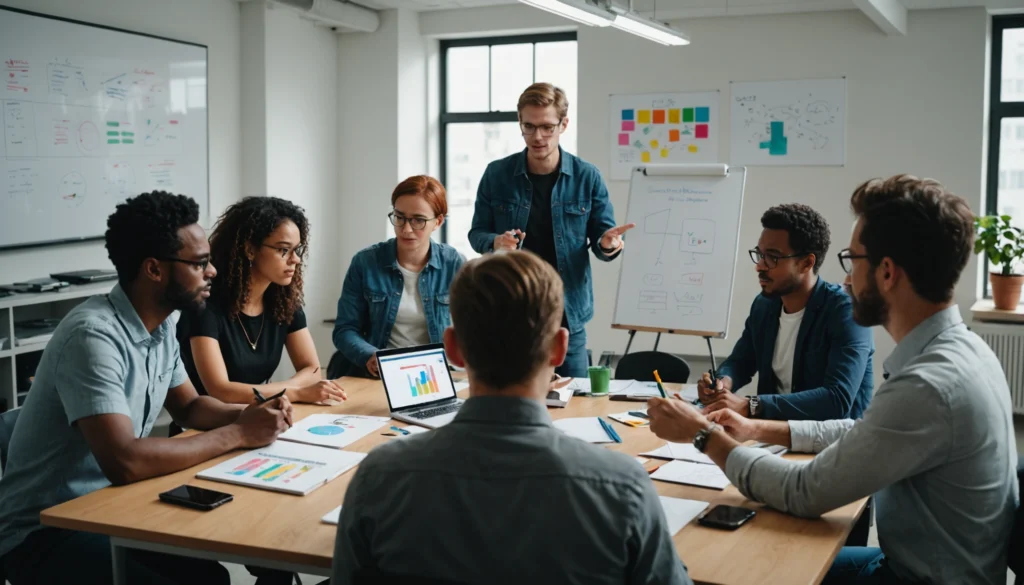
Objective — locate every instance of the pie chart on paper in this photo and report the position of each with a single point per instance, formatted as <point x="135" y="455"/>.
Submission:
<point x="326" y="430"/>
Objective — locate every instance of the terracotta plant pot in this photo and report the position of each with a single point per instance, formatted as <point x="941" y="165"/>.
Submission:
<point x="1006" y="290"/>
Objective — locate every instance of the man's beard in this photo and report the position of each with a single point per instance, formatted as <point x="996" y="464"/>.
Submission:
<point x="178" y="298"/>
<point x="869" y="309"/>
<point x="779" y="290"/>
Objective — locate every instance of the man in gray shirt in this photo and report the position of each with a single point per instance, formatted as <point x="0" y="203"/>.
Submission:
<point x="499" y="495"/>
<point x="936" y="445"/>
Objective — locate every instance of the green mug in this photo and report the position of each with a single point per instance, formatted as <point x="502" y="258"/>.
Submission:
<point x="600" y="378"/>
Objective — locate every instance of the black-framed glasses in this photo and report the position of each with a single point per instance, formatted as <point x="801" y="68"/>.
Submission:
<point x="417" y="223"/>
<point x="299" y="251"/>
<point x="200" y="264"/>
<point x="770" y="260"/>
<point x="546" y="130"/>
<point x="846" y="259"/>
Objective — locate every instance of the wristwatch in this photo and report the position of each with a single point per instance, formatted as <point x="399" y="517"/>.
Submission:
<point x="755" y="406"/>
<point x="700" y="440"/>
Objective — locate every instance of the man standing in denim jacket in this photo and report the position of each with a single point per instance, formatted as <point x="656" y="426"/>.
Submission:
<point x="557" y="199"/>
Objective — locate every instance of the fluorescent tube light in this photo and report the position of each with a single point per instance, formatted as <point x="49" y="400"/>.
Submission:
<point x="632" y="22"/>
<point x="578" y="10"/>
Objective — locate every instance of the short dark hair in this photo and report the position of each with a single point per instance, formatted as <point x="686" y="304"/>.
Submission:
<point x="506" y="308"/>
<point x="808" y="231"/>
<point x="925" y="229"/>
<point x="146" y="226"/>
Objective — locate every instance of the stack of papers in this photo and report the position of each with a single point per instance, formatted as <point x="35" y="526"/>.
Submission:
<point x="333" y="430"/>
<point x="679" y="512"/>
<point x="560" y="397"/>
<point x="690" y="473"/>
<point x="590" y="429"/>
<point x="284" y="467"/>
<point x="681" y="452"/>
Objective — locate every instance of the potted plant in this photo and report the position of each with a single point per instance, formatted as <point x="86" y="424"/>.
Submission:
<point x="1003" y="245"/>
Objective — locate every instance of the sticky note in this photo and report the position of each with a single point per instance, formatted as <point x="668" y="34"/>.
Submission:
<point x="659" y="116"/>
<point x="643" y="116"/>
<point x="702" y="131"/>
<point x="673" y="135"/>
<point x="693" y="148"/>
<point x="687" y="114"/>
<point x="627" y="115"/>
<point x="703" y="114"/>
<point x="674" y="116"/>
<point x="654" y="144"/>
<point x="664" y="153"/>
<point x="628" y="126"/>
<point x="645" y="156"/>
<point x="623" y="139"/>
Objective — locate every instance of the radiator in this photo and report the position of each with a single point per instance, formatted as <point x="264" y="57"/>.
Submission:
<point x="1007" y="341"/>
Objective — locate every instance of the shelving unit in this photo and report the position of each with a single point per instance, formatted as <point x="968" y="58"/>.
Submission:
<point x="26" y="306"/>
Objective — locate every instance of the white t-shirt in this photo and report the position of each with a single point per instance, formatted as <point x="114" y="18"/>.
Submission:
<point x="785" y="349"/>
<point x="411" y="323"/>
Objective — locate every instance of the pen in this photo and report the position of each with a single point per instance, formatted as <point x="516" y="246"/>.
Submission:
<point x="638" y="414"/>
<point x="655" y="468"/>
<point x="399" y="429"/>
<point x="661" y="388"/>
<point x="608" y="429"/>
<point x="259" y="397"/>
<point x="275" y="396"/>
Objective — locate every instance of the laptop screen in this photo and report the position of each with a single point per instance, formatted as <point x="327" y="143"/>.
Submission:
<point x="415" y="376"/>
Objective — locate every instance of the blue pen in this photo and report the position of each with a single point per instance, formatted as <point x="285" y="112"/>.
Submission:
<point x="399" y="430"/>
<point x="608" y="429"/>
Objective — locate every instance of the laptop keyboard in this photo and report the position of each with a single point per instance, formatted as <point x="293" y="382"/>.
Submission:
<point x="432" y="412"/>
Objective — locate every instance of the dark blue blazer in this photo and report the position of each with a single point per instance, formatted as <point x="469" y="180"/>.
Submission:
<point x="832" y="373"/>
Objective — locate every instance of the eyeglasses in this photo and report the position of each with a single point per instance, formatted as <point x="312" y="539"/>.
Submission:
<point x="846" y="259"/>
<point x="417" y="223"/>
<point x="770" y="260"/>
<point x="546" y="130"/>
<point x="200" y="264"/>
<point x="299" y="251"/>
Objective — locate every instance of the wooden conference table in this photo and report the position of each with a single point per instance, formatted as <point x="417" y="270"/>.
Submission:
<point x="282" y="531"/>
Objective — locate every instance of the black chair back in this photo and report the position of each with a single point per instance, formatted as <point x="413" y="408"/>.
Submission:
<point x="641" y="365"/>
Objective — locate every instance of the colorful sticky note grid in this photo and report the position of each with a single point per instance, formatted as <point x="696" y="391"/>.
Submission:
<point x="654" y="144"/>
<point x="623" y="139"/>
<point x="687" y="115"/>
<point x="645" y="156"/>
<point x="702" y="131"/>
<point x="674" y="116"/>
<point x="673" y="135"/>
<point x="664" y="153"/>
<point x="703" y="114"/>
<point x="627" y="115"/>
<point x="659" y="116"/>
<point x="628" y="125"/>
<point x="692" y="148"/>
<point x="643" y="116"/>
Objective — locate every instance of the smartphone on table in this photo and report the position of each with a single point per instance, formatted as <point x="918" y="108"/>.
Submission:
<point x="196" y="498"/>
<point x="726" y="517"/>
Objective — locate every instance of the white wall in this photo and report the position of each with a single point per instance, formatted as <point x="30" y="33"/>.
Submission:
<point x="214" y="23"/>
<point x="915" y="104"/>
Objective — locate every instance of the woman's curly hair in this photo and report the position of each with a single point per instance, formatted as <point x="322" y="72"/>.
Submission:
<point x="250" y="221"/>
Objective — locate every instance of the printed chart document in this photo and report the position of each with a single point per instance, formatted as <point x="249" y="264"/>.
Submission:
<point x="333" y="430"/>
<point x="679" y="512"/>
<point x="690" y="473"/>
<point x="681" y="452"/>
<point x="587" y="428"/>
<point x="334" y="516"/>
<point x="283" y="466"/>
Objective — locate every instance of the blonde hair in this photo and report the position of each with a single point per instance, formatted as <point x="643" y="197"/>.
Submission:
<point x="544" y="95"/>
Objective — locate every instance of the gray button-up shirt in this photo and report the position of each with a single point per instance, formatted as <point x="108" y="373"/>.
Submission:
<point x="936" y="447"/>
<point x="501" y="496"/>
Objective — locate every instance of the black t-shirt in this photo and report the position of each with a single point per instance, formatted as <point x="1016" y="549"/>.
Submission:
<point x="244" y="364"/>
<point x="540" y="233"/>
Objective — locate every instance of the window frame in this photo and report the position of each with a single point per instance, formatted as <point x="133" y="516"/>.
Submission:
<point x="998" y="110"/>
<point x="447" y="117"/>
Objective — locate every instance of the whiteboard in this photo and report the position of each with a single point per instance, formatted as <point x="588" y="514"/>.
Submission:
<point x="679" y="265"/>
<point x="91" y="116"/>
<point x="793" y="123"/>
<point x="662" y="128"/>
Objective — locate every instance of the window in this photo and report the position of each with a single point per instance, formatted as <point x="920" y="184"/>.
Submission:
<point x="1005" y="192"/>
<point x="481" y="80"/>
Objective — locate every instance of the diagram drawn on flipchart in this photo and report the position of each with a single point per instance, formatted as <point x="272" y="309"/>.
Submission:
<point x="695" y="236"/>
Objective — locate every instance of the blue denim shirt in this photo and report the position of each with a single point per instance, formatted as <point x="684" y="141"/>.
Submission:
<point x="832" y="371"/>
<point x="581" y="213"/>
<point x="373" y="290"/>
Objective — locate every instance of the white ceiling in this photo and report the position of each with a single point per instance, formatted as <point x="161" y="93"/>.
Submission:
<point x="673" y="9"/>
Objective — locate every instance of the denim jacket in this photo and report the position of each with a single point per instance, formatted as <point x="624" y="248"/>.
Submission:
<point x="373" y="289"/>
<point x="832" y="370"/>
<point x="580" y="214"/>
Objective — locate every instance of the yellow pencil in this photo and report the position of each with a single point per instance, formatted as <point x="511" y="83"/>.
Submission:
<point x="661" y="388"/>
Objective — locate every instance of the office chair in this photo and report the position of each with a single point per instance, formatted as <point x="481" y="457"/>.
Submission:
<point x="641" y="365"/>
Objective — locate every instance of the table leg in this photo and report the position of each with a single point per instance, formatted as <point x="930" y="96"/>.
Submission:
<point x="118" y="555"/>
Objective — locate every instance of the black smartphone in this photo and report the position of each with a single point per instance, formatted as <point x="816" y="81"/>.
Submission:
<point x="194" y="497"/>
<point x="726" y="517"/>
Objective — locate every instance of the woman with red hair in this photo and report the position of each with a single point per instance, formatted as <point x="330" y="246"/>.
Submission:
<point x="396" y="292"/>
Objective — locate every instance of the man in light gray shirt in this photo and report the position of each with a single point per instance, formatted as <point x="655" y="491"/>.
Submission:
<point x="500" y="496"/>
<point x="936" y="445"/>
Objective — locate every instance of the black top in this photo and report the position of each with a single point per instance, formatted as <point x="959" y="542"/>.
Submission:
<point x="540" y="234"/>
<point x="243" y="363"/>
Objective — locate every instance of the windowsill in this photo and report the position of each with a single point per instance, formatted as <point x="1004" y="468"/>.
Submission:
<point x="985" y="310"/>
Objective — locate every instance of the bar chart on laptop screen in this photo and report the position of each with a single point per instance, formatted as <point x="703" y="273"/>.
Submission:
<point x="422" y="379"/>
<point x="416" y="378"/>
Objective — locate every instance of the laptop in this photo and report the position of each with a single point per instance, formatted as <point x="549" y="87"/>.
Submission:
<point x="85" y="276"/>
<point x="419" y="385"/>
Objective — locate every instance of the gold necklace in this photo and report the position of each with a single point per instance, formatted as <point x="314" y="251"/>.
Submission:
<point x="252" y="343"/>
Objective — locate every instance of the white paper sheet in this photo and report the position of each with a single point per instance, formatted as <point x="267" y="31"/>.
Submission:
<point x="680" y="451"/>
<point x="334" y="516"/>
<point x="679" y="512"/>
<point x="690" y="473"/>
<point x="283" y="466"/>
<point x="587" y="428"/>
<point x="333" y="430"/>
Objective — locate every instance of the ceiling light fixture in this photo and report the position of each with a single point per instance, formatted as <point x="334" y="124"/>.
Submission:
<point x="651" y="30"/>
<point x="578" y="10"/>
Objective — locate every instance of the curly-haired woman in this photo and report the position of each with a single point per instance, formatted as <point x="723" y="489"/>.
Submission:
<point x="255" y="309"/>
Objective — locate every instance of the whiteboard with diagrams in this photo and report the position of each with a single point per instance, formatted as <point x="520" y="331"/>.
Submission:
<point x="662" y="128"/>
<point x="679" y="265"/>
<point x="793" y="123"/>
<point x="92" y="116"/>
